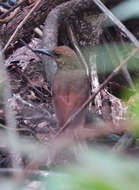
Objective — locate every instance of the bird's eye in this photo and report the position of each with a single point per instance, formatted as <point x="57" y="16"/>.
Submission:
<point x="56" y="54"/>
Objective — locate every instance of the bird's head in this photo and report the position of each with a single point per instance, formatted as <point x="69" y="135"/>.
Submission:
<point x="65" y="57"/>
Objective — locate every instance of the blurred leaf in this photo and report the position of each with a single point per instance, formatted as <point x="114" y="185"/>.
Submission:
<point x="110" y="55"/>
<point x="97" y="171"/>
<point x="26" y="146"/>
<point x="131" y="7"/>
<point x="133" y="112"/>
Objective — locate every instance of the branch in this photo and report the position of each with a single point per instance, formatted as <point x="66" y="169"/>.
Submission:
<point x="116" y="70"/>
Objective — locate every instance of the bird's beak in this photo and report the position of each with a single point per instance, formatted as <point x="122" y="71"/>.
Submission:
<point x="44" y="52"/>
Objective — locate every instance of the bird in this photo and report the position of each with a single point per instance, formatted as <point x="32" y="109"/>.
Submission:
<point x="70" y="89"/>
<point x="71" y="85"/>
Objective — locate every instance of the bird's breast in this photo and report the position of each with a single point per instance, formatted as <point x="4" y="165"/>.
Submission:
<point x="74" y="81"/>
<point x="70" y="91"/>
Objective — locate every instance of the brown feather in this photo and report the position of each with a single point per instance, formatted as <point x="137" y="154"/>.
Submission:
<point x="71" y="90"/>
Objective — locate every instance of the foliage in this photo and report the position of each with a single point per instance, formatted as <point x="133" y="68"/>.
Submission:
<point x="98" y="170"/>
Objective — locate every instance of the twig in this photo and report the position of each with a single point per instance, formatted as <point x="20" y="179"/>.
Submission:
<point x="17" y="129"/>
<point x="94" y="83"/>
<point x="116" y="70"/>
<point x="125" y="141"/>
<point x="92" y="131"/>
<point x="127" y="76"/>
<point x="12" y="9"/>
<point x="119" y="58"/>
<point x="79" y="53"/>
<point x="43" y="96"/>
<point x="21" y="24"/>
<point x="120" y="25"/>
<point x="37" y="174"/>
